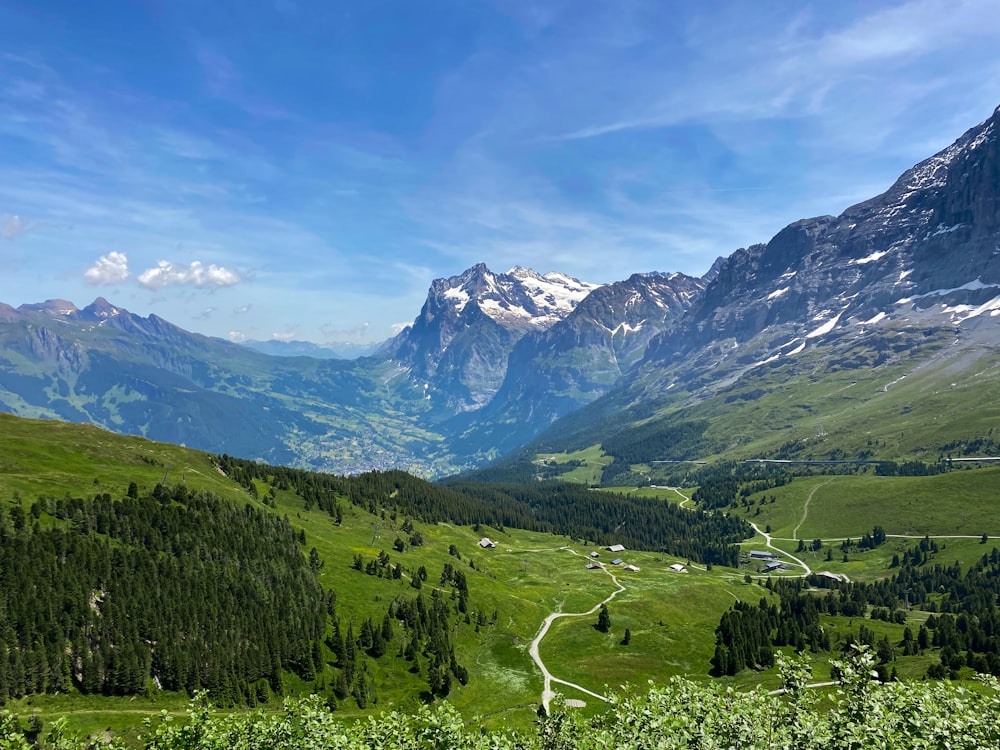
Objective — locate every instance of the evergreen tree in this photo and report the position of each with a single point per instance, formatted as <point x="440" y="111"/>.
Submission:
<point x="604" y="619"/>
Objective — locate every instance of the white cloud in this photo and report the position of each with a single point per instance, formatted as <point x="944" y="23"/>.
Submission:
<point x="236" y="337"/>
<point x="196" y="274"/>
<point x="242" y="309"/>
<point x="283" y="336"/>
<point x="400" y="327"/>
<point x="109" y="269"/>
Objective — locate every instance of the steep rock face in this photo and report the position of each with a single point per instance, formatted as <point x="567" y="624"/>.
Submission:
<point x="552" y="372"/>
<point x="930" y="239"/>
<point x="907" y="280"/>
<point x="459" y="344"/>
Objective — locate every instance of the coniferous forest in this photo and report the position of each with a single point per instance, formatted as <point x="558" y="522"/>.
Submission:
<point x="963" y="624"/>
<point x="200" y="593"/>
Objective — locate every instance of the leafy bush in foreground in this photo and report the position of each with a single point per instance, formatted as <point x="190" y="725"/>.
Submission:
<point x="681" y="715"/>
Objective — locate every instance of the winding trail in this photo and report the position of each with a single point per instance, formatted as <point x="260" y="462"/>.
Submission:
<point x="767" y="537"/>
<point x="767" y="541"/>
<point x="805" y="508"/>
<point x="547" y="693"/>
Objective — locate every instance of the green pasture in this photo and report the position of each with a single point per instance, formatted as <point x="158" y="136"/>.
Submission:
<point x="960" y="502"/>
<point x="593" y="458"/>
<point x="887" y="412"/>
<point x="48" y="458"/>
<point x="671" y="616"/>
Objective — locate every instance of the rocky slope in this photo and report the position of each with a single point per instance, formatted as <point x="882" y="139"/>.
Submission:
<point x="555" y="371"/>
<point x="459" y="344"/>
<point x="870" y="288"/>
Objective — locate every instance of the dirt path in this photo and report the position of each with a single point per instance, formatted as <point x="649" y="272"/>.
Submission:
<point x="805" y="508"/>
<point x="547" y="692"/>
<point x="767" y="541"/>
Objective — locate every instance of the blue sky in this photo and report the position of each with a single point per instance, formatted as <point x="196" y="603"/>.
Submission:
<point x="303" y="170"/>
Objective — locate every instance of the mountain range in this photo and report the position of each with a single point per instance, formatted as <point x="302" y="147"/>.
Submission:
<point x="864" y="324"/>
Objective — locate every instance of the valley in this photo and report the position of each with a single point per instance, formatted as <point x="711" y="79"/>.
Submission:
<point x="520" y="375"/>
<point x="775" y="475"/>
<point x="525" y="595"/>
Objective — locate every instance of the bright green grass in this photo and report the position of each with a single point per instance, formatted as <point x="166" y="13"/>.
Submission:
<point x="960" y="502"/>
<point x="594" y="460"/>
<point x="671" y="616"/>
<point x="668" y="616"/>
<point x="41" y="458"/>
<point x="670" y="495"/>
<point x="890" y="411"/>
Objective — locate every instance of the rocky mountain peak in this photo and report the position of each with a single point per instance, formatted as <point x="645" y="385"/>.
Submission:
<point x="520" y="300"/>
<point x="51" y="306"/>
<point x="460" y="342"/>
<point x="100" y="310"/>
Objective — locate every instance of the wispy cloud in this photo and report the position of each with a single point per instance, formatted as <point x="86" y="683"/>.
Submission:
<point x="108" y="270"/>
<point x="196" y="274"/>
<point x="770" y="72"/>
<point x="303" y="149"/>
<point x="334" y="335"/>
<point x="14" y="226"/>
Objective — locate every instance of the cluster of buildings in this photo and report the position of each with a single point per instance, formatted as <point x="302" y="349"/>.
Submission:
<point x="770" y="560"/>
<point x="617" y="548"/>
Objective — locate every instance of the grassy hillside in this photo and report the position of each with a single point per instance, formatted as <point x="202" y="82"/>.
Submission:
<point x="958" y="502"/>
<point x="855" y="402"/>
<point x="671" y="617"/>
<point x="54" y="458"/>
<point x="512" y="587"/>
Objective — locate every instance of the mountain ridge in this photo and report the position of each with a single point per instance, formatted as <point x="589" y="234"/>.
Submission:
<point x="905" y="279"/>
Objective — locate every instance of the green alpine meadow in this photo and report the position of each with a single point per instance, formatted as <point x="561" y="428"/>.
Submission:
<point x="507" y="374"/>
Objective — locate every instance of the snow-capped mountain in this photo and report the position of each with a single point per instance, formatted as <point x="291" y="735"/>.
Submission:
<point x="518" y="299"/>
<point x="459" y="344"/>
<point x="908" y="279"/>
<point x="555" y="371"/>
<point x="930" y="242"/>
<point x="904" y="284"/>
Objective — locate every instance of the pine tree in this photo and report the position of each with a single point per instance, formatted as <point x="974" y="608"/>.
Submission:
<point x="604" y="619"/>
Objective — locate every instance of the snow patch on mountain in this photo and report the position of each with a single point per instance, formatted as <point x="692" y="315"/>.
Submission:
<point x="554" y="295"/>
<point x="971" y="286"/>
<point x="870" y="258"/>
<point x="778" y="293"/>
<point x="460" y="296"/>
<point x="826" y="327"/>
<point x="960" y="313"/>
<point x="942" y="229"/>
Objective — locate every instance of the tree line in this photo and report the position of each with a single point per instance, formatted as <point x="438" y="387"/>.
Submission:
<point x="552" y="507"/>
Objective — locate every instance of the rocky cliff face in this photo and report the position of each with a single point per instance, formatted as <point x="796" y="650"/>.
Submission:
<point x="459" y="344"/>
<point x="931" y="239"/>
<point x="911" y="273"/>
<point x="553" y="372"/>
